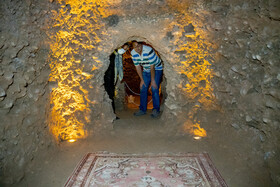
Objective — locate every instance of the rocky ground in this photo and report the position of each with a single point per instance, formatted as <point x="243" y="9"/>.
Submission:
<point x="230" y="150"/>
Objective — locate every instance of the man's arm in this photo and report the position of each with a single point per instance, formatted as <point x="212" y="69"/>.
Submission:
<point x="152" y="60"/>
<point x="153" y="82"/>
<point x="139" y="72"/>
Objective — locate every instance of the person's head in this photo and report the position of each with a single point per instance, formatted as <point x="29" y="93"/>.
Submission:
<point x="125" y="46"/>
<point x="123" y="49"/>
<point x="134" y="43"/>
<point x="136" y="46"/>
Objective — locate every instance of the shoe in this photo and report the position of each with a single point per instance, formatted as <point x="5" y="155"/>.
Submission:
<point x="155" y="113"/>
<point x="139" y="113"/>
<point x="117" y="118"/>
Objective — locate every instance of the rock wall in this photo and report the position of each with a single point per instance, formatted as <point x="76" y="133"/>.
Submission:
<point x="218" y="55"/>
<point x="247" y="69"/>
<point x="24" y="89"/>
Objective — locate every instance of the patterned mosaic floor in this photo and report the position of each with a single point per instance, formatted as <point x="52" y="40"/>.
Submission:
<point x="107" y="169"/>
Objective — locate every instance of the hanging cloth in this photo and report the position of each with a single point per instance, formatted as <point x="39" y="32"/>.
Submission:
<point x="118" y="67"/>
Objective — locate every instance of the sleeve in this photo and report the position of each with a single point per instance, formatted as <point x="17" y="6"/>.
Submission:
<point x="134" y="59"/>
<point x="152" y="57"/>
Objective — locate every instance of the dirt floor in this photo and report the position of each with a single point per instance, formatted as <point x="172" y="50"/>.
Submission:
<point x="232" y="151"/>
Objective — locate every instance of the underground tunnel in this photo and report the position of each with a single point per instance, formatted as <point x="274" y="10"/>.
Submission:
<point x="219" y="92"/>
<point x="127" y="91"/>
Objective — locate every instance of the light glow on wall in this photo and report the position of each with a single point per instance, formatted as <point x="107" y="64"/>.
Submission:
<point x="197" y="68"/>
<point x="73" y="36"/>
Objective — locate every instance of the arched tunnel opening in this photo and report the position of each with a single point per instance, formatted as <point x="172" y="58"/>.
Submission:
<point x="124" y="91"/>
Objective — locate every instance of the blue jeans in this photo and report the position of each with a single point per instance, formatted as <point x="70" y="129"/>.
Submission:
<point x="155" y="92"/>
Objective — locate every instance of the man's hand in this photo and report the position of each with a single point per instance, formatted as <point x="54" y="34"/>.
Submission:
<point x="153" y="84"/>
<point x="142" y="83"/>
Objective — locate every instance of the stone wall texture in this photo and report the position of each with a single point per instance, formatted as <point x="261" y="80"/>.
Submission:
<point x="24" y="90"/>
<point x="218" y="55"/>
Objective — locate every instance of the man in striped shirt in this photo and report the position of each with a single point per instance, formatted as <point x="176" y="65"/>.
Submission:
<point x="149" y="68"/>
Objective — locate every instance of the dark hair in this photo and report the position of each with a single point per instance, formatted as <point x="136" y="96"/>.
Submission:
<point x="126" y="44"/>
<point x="134" y="41"/>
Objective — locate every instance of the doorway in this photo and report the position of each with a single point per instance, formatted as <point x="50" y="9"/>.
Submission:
<point x="127" y="91"/>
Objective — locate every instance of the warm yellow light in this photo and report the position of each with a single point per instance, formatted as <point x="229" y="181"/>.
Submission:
<point x="72" y="35"/>
<point x="198" y="131"/>
<point x="71" y="140"/>
<point x="198" y="50"/>
<point x="195" y="129"/>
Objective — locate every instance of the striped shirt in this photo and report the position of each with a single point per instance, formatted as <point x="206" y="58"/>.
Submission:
<point x="146" y="59"/>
